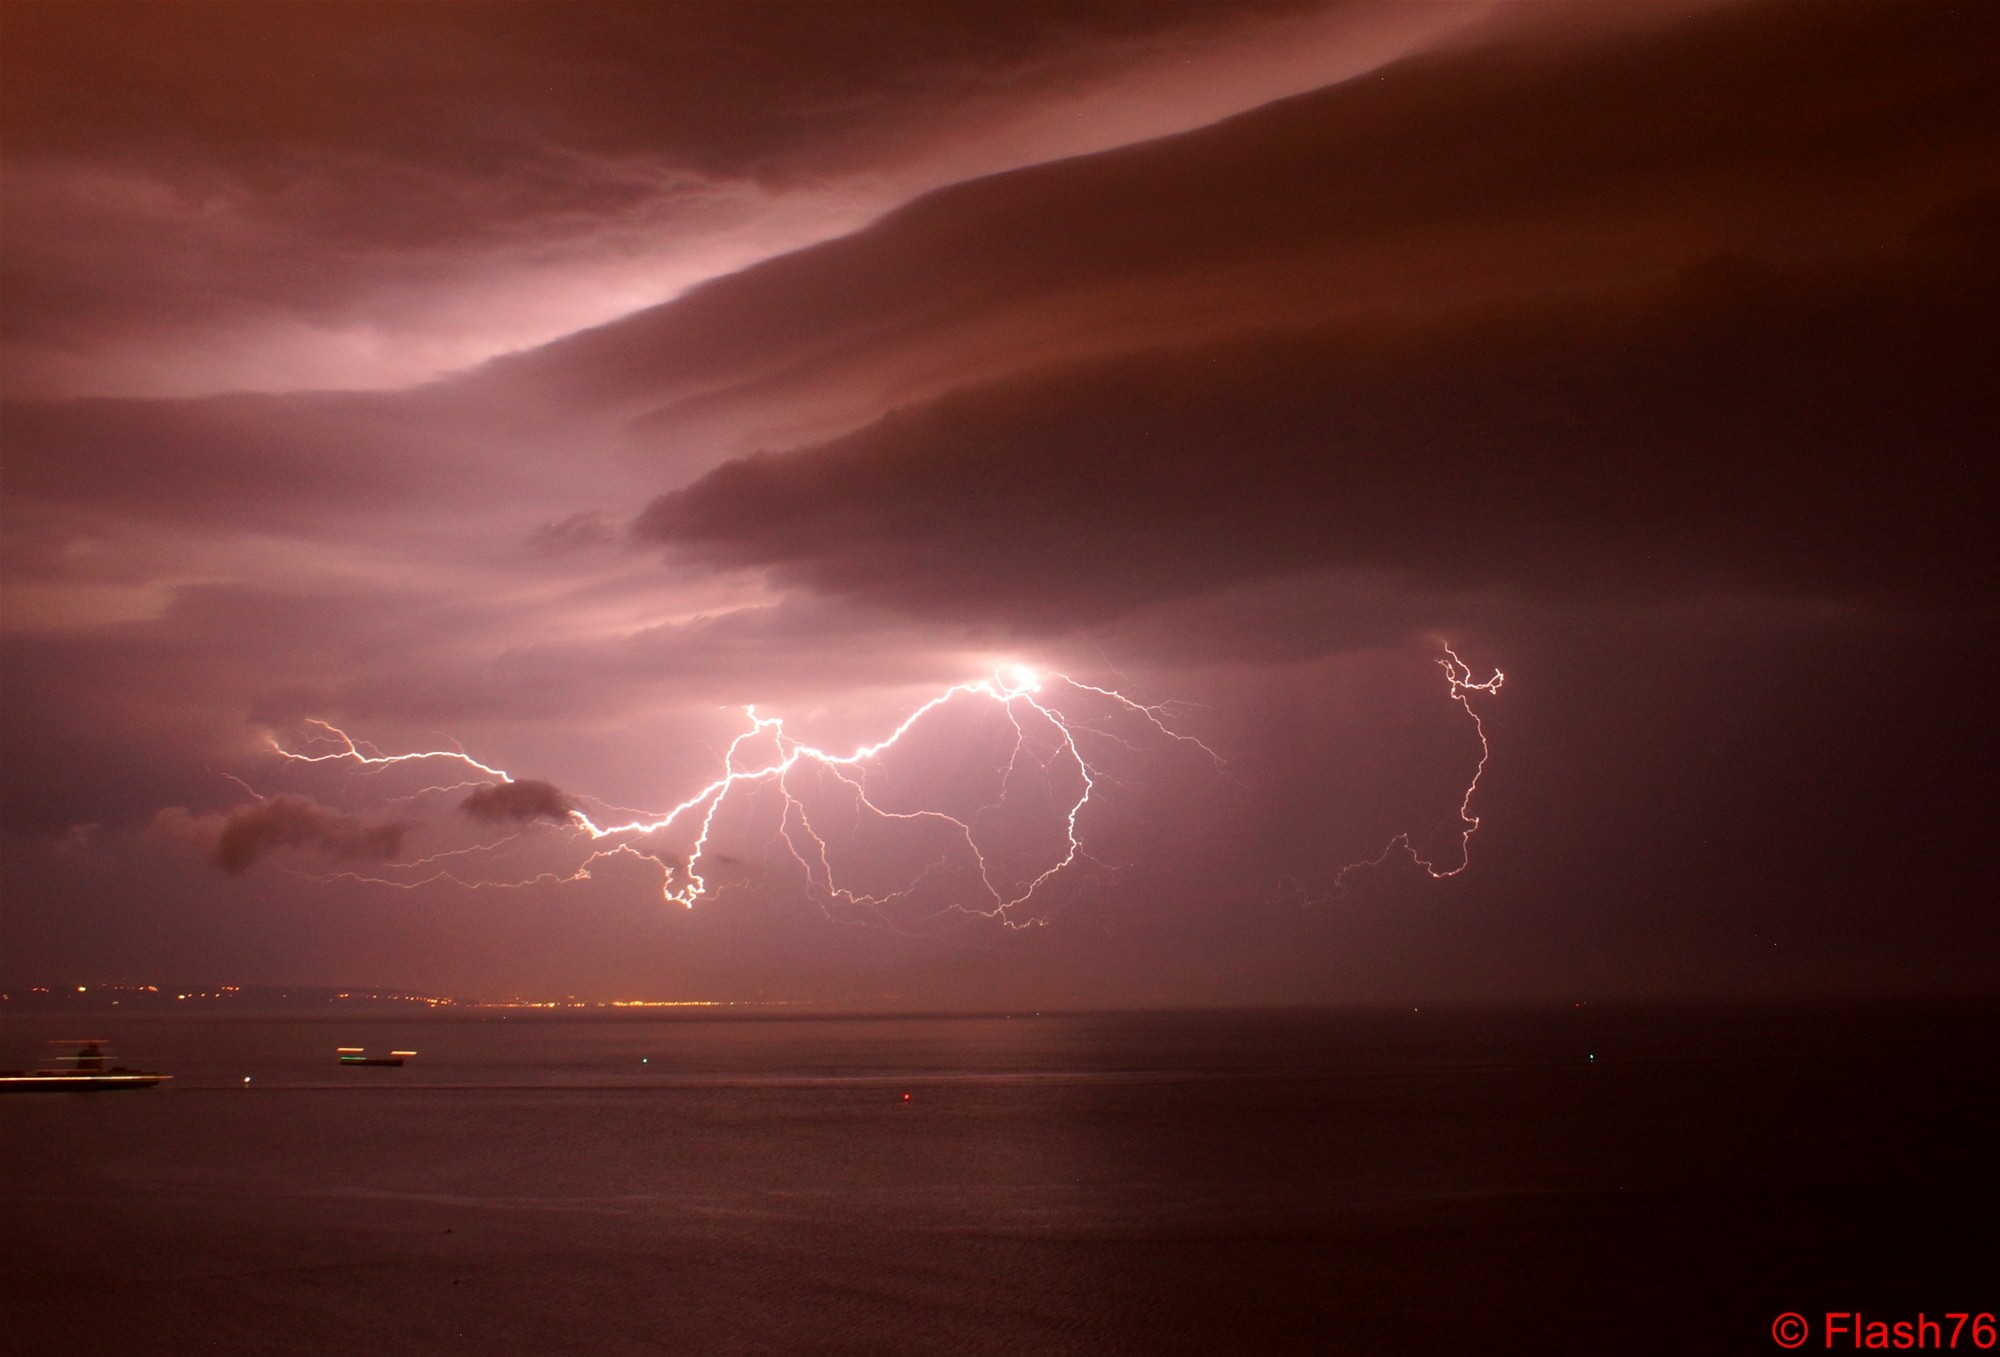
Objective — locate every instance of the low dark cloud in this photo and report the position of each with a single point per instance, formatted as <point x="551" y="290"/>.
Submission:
<point x="518" y="802"/>
<point x="285" y="822"/>
<point x="1818" y="431"/>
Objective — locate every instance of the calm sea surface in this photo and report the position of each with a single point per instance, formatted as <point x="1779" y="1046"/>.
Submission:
<point x="1162" y="1183"/>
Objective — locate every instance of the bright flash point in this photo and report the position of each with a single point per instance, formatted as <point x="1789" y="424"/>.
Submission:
<point x="1022" y="679"/>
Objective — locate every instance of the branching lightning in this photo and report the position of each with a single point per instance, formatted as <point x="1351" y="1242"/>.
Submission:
<point x="1048" y="740"/>
<point x="1458" y="677"/>
<point x="1060" y="730"/>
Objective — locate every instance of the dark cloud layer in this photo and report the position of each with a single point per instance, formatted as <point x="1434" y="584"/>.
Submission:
<point x="1822" y="432"/>
<point x="294" y="822"/>
<point x="518" y="802"/>
<point x="1480" y="172"/>
<point x="727" y="87"/>
<point x="337" y="165"/>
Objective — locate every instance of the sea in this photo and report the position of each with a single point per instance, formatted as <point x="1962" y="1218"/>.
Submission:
<point x="1546" y="1180"/>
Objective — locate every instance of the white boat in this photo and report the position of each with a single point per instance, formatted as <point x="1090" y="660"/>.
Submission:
<point x="80" y="1068"/>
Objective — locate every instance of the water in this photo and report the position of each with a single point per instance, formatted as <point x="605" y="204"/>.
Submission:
<point x="1312" y="1182"/>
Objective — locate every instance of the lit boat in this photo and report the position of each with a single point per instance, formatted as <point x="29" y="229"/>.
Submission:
<point x="355" y="1055"/>
<point x="86" y="1072"/>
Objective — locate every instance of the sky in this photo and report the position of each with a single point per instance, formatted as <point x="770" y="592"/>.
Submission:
<point x="1186" y="414"/>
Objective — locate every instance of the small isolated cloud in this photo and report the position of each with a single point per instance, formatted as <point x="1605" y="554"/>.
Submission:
<point x="518" y="802"/>
<point x="295" y="822"/>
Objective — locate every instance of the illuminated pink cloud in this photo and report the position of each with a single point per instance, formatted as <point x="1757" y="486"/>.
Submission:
<point x="161" y="211"/>
<point x="1640" y="358"/>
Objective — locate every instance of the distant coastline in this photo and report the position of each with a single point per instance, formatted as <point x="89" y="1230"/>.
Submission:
<point x="147" y="998"/>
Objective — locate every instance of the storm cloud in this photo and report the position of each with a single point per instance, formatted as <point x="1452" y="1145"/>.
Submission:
<point x="543" y="385"/>
<point x="288" y="822"/>
<point x="518" y="802"/>
<point x="465" y="180"/>
<point x="1735" y="427"/>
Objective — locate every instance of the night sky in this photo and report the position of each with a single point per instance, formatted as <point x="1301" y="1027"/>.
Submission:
<point x="551" y="382"/>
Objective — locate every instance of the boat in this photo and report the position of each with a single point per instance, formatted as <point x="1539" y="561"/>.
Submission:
<point x="355" y="1055"/>
<point x="85" y="1072"/>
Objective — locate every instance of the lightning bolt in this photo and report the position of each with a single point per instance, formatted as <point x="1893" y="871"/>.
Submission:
<point x="348" y="750"/>
<point x="1461" y="685"/>
<point x="1049" y="742"/>
<point x="1055" y="722"/>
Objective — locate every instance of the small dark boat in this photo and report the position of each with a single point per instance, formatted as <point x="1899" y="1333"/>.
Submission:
<point x="355" y="1055"/>
<point x="85" y="1072"/>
